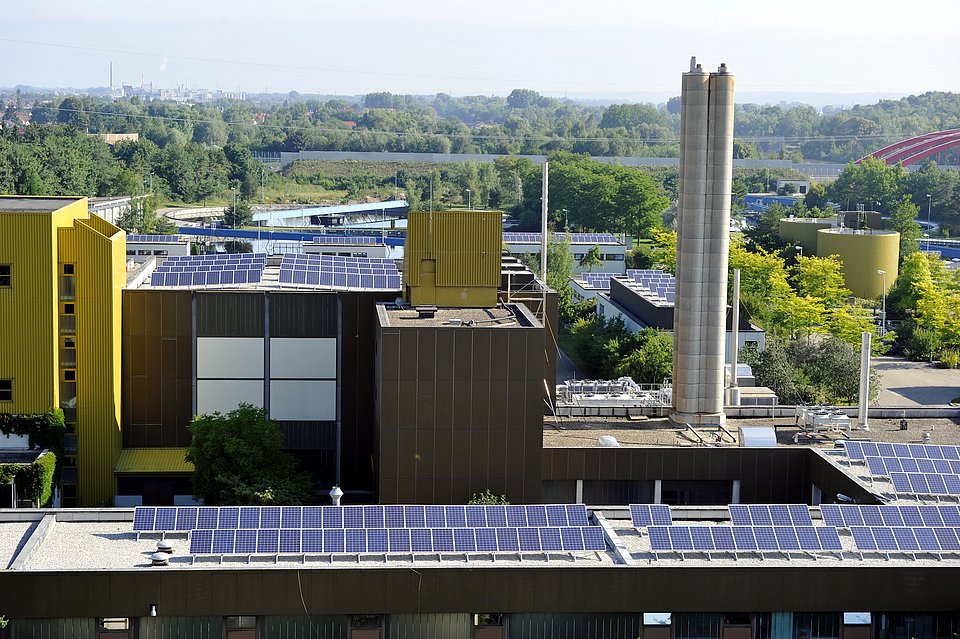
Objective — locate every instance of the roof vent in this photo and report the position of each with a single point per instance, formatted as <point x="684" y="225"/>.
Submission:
<point x="164" y="547"/>
<point x="609" y="441"/>
<point x="159" y="559"/>
<point x="426" y="312"/>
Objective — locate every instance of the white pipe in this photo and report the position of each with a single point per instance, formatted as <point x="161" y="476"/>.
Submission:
<point x="862" y="423"/>
<point x="543" y="224"/>
<point x="735" y="340"/>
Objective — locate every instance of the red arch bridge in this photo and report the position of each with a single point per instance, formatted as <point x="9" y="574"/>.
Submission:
<point x="917" y="149"/>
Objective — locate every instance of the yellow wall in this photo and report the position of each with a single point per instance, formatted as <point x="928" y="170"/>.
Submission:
<point x="452" y="258"/>
<point x="863" y="254"/>
<point x="37" y="244"/>
<point x="803" y="232"/>
<point x="99" y="251"/>
<point x="28" y="309"/>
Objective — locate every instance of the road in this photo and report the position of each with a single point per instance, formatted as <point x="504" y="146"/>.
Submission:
<point x="906" y="383"/>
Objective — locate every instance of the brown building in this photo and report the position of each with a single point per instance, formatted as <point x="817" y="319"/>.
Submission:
<point x="459" y="404"/>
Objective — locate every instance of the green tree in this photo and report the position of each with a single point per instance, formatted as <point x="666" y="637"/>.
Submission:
<point x="765" y="233"/>
<point x="903" y="219"/>
<point x="240" y="216"/>
<point x="868" y="183"/>
<point x="238" y="460"/>
<point x="649" y="360"/>
<point x="591" y="258"/>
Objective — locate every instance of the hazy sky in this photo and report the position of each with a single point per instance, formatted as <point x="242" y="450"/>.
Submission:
<point x="560" y="47"/>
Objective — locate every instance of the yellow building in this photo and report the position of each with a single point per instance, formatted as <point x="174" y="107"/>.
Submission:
<point x="61" y="275"/>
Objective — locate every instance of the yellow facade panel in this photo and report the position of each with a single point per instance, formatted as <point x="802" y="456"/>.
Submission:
<point x="154" y="461"/>
<point x="803" y="232"/>
<point x="100" y="279"/>
<point x="28" y="311"/>
<point x="452" y="258"/>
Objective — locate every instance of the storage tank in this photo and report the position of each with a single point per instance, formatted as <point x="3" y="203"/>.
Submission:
<point x="802" y="231"/>
<point x="863" y="253"/>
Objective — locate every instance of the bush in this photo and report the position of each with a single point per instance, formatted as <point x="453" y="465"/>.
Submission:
<point x="486" y="498"/>
<point x="950" y="358"/>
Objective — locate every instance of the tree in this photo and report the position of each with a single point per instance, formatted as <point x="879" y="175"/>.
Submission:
<point x="238" y="460"/>
<point x="903" y="219"/>
<point x="765" y="233"/>
<point x="870" y="183"/>
<point x="592" y="258"/>
<point x="816" y="196"/>
<point x="242" y="215"/>
<point x="71" y="112"/>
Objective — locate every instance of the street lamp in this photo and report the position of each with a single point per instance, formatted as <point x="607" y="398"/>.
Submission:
<point x="800" y="249"/>
<point x="929" y="228"/>
<point x="883" y="308"/>
<point x="234" y="223"/>
<point x="468" y="199"/>
<point x="566" y="219"/>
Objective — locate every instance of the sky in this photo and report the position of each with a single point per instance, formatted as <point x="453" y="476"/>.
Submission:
<point x="573" y="48"/>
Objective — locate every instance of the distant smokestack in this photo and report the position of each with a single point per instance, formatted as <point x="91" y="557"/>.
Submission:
<point x="111" y="76"/>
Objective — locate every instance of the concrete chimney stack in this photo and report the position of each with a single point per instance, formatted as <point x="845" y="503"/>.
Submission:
<point x="703" y="244"/>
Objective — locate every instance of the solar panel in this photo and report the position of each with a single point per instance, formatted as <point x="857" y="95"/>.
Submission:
<point x="186" y="519"/>
<point x="650" y="514"/>
<point x="333" y="540"/>
<point x="593" y="538"/>
<point x="442" y="539"/>
<point x="201" y="542"/>
<point x="399" y="539"/>
<point x="268" y="541"/>
<point x="312" y="517"/>
<point x="486" y="540"/>
<point x="312" y="540"/>
<point x="144" y="517"/>
<point x="229" y="517"/>
<point x="571" y="538"/>
<point x="464" y="540"/>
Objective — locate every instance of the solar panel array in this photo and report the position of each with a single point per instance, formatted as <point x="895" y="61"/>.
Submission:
<point x="187" y="518"/>
<point x="599" y="281"/>
<point x="770" y="515"/>
<point x="344" y="240"/>
<point x="152" y="239"/>
<point x="849" y="516"/>
<point x="858" y="451"/>
<point x="207" y="270"/>
<point x="906" y="528"/>
<point x="914" y="469"/>
<point x="658" y="285"/>
<point x="883" y="466"/>
<point x="650" y="515"/>
<point x="332" y="271"/>
<point x="575" y="238"/>
<point x="395" y="540"/>
<point x="743" y="538"/>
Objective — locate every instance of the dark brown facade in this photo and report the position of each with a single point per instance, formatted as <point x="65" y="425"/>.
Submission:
<point x="765" y="475"/>
<point x="252" y="591"/>
<point x="459" y="411"/>
<point x="160" y="329"/>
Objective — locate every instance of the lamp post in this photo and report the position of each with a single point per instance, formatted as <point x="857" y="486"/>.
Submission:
<point x="233" y="224"/>
<point x="468" y="200"/>
<point x="883" y="307"/>
<point x="929" y="229"/>
<point x="800" y="249"/>
<point x="566" y="219"/>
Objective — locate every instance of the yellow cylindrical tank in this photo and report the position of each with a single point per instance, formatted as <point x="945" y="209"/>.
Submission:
<point x="802" y="231"/>
<point x="863" y="254"/>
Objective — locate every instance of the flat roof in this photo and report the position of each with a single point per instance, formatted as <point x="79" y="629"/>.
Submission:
<point x="501" y="316"/>
<point x="580" y="432"/>
<point x="104" y="539"/>
<point x="20" y="204"/>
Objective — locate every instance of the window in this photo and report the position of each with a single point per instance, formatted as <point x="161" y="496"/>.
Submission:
<point x="6" y="390"/>
<point x="5" y="275"/>
<point x="113" y="623"/>
<point x="237" y="623"/>
<point x="613" y="257"/>
<point x="69" y="309"/>
<point x="159" y="252"/>
<point x="70" y="375"/>
<point x="69" y="269"/>
<point x="578" y="256"/>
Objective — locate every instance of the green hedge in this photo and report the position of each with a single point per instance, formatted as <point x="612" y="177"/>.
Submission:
<point x="44" y="430"/>
<point x="35" y="479"/>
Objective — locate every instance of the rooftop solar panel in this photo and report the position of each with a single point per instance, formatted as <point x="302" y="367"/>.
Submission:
<point x="650" y="514"/>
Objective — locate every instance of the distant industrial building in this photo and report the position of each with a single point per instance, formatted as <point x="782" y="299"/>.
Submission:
<point x="612" y="249"/>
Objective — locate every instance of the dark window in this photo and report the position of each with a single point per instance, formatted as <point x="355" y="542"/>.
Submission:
<point x="5" y="275"/>
<point x="68" y="269"/>
<point x="6" y="390"/>
<point x="696" y="625"/>
<point x="159" y="252"/>
<point x="70" y="375"/>
<point x="816" y="625"/>
<point x="68" y="309"/>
